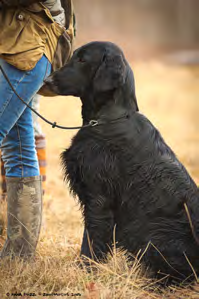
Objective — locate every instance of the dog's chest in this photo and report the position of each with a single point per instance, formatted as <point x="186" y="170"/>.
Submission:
<point x="114" y="154"/>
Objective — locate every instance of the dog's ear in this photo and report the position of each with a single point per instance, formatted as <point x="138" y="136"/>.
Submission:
<point x="111" y="73"/>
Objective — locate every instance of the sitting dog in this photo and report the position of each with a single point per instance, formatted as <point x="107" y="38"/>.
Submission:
<point x="127" y="178"/>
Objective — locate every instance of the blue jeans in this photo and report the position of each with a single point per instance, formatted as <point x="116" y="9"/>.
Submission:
<point x="16" y="126"/>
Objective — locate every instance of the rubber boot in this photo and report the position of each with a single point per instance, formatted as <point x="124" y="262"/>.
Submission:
<point x="24" y="210"/>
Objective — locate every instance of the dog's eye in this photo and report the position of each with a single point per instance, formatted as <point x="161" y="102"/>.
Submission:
<point x="81" y="60"/>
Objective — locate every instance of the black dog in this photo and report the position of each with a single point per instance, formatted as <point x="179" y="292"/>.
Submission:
<point x="123" y="172"/>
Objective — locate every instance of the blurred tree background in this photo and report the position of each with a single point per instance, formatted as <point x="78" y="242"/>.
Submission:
<point x="142" y="27"/>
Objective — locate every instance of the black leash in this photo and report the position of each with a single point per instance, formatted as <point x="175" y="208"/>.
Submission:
<point x="92" y="123"/>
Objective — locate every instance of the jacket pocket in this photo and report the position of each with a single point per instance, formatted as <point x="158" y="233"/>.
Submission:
<point x="22" y="38"/>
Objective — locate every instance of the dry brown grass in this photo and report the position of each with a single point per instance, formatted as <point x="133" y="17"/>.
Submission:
<point x="169" y="97"/>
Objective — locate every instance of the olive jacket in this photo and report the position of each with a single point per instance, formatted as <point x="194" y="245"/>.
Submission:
<point x="28" y="31"/>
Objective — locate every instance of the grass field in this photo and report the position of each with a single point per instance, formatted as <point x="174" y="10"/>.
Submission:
<point x="168" y="96"/>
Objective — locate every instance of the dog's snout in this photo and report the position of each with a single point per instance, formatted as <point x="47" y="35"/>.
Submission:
<point x="49" y="80"/>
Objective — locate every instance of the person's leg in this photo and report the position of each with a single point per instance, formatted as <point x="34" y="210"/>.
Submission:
<point x="19" y="155"/>
<point x="23" y="188"/>
<point x="18" y="148"/>
<point x="3" y="181"/>
<point x="26" y="83"/>
<point x="40" y="141"/>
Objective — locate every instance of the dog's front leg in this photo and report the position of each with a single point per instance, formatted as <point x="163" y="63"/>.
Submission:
<point x="98" y="233"/>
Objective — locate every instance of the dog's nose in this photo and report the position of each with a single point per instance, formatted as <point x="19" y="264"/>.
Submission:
<point x="49" y="80"/>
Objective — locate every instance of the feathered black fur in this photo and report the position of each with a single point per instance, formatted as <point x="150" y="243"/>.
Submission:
<point x="123" y="172"/>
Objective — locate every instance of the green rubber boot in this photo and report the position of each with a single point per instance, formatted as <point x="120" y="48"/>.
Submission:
<point x="24" y="210"/>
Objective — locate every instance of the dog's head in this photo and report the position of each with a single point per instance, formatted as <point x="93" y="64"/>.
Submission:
<point x="97" y="67"/>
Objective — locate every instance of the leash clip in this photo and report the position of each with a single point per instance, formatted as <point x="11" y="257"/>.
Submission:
<point x="93" y="123"/>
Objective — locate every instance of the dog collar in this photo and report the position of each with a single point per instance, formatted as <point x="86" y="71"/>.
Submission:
<point x="94" y="123"/>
